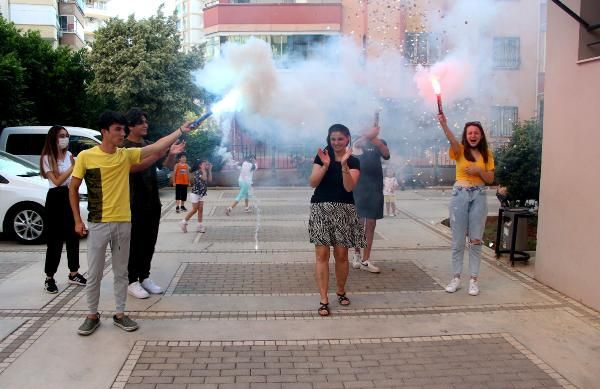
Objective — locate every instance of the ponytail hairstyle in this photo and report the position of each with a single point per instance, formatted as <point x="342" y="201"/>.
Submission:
<point x="51" y="150"/>
<point x="336" y="128"/>
<point x="482" y="146"/>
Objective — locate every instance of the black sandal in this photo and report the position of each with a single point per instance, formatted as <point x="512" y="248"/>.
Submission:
<point x="323" y="308"/>
<point x="343" y="300"/>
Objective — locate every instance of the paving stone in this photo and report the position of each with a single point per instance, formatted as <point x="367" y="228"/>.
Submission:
<point x="223" y="278"/>
<point x="353" y="366"/>
<point x="266" y="233"/>
<point x="7" y="268"/>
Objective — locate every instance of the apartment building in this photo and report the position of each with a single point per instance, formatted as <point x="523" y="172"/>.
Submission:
<point x="515" y="48"/>
<point x="96" y="14"/>
<point x="71" y="19"/>
<point x="60" y="22"/>
<point x="40" y="15"/>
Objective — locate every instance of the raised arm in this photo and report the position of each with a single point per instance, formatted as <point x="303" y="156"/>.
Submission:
<point x="451" y="138"/>
<point x="164" y="142"/>
<point x="349" y="176"/>
<point x="318" y="171"/>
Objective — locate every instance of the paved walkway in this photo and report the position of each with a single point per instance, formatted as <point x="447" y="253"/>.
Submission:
<point x="240" y="311"/>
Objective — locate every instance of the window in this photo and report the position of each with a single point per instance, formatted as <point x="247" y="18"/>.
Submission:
<point x="422" y="48"/>
<point x="506" y="53"/>
<point x="25" y="144"/>
<point x="589" y="41"/>
<point x="503" y="120"/>
<point x="79" y="143"/>
<point x="69" y="23"/>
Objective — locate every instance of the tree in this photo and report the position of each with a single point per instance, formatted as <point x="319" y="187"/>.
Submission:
<point x="139" y="64"/>
<point x="519" y="163"/>
<point x="40" y="85"/>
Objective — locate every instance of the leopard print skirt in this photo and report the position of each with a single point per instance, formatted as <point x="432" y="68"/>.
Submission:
<point x="335" y="224"/>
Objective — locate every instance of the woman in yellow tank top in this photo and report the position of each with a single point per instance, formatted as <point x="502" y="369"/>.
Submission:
<point x="468" y="206"/>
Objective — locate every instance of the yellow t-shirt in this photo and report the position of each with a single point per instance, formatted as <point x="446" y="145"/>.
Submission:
<point x="107" y="179"/>
<point x="462" y="163"/>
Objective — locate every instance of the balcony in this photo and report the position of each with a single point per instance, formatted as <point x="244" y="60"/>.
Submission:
<point x="273" y="17"/>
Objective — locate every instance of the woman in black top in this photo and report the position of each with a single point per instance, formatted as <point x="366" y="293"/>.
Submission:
<point x="333" y="218"/>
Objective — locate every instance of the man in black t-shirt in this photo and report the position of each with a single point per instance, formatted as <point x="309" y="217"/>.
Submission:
<point x="145" y="205"/>
<point x="368" y="193"/>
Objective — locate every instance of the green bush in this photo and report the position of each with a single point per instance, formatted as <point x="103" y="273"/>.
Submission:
<point x="519" y="163"/>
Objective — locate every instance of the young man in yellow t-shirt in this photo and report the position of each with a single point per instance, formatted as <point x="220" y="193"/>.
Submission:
<point x="105" y="169"/>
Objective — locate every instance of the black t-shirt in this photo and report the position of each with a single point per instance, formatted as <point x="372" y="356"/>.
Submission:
<point x="143" y="187"/>
<point x="331" y="188"/>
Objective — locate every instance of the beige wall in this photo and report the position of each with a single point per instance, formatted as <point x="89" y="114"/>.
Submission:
<point x="568" y="254"/>
<point x="524" y="23"/>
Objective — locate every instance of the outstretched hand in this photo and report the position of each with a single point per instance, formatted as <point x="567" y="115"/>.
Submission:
<point x="324" y="157"/>
<point x="372" y="133"/>
<point x="177" y="148"/>
<point x="346" y="156"/>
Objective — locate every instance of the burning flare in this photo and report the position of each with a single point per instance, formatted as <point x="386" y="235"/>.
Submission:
<point x="438" y="93"/>
<point x="436" y="86"/>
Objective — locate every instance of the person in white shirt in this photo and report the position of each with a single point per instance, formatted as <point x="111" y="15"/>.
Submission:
<point x="245" y="182"/>
<point x="56" y="165"/>
<point x="389" y="186"/>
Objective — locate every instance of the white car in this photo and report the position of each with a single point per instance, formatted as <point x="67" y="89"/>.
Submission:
<point x="22" y="198"/>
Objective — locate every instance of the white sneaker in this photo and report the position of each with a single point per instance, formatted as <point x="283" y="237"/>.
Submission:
<point x="135" y="289"/>
<point x="183" y="226"/>
<point x="248" y="210"/>
<point x="356" y="260"/>
<point x="392" y="215"/>
<point x="200" y="228"/>
<point x="454" y="285"/>
<point x="473" y="287"/>
<point x="228" y="211"/>
<point x="368" y="266"/>
<point x="151" y="287"/>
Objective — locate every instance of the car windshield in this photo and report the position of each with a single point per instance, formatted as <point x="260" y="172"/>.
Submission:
<point x="17" y="167"/>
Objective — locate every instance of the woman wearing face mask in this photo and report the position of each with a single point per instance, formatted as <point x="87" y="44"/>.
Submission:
<point x="468" y="206"/>
<point x="56" y="165"/>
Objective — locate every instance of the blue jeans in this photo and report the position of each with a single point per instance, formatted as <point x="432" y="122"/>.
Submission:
<point x="468" y="213"/>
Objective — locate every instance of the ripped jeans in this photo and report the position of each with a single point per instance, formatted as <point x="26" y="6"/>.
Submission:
<point x="468" y="213"/>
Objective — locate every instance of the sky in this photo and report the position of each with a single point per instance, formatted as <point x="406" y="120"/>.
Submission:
<point x="141" y="8"/>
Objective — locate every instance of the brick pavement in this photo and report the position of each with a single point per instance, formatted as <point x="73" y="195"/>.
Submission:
<point x="281" y="194"/>
<point x="266" y="233"/>
<point x="267" y="210"/>
<point x="401" y="312"/>
<point x="7" y="268"/>
<point x="261" y="278"/>
<point x="472" y="361"/>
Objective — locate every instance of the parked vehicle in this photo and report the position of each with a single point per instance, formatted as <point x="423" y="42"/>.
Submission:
<point x="22" y="198"/>
<point x="27" y="141"/>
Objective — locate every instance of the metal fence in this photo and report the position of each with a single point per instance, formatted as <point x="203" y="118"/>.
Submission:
<point x="281" y="156"/>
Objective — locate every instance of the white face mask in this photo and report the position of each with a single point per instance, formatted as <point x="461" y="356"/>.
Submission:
<point x="63" y="143"/>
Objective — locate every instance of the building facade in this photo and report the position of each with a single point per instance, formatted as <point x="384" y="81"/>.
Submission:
<point x="567" y="256"/>
<point x="39" y="15"/>
<point x="71" y="19"/>
<point x="61" y="22"/>
<point x="96" y="14"/>
<point x="294" y="28"/>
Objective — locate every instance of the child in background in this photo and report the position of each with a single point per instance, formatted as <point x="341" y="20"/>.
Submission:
<point x="389" y="186"/>
<point x="202" y="176"/>
<point x="181" y="181"/>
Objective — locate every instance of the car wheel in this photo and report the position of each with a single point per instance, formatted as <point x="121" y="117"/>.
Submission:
<point x="27" y="223"/>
